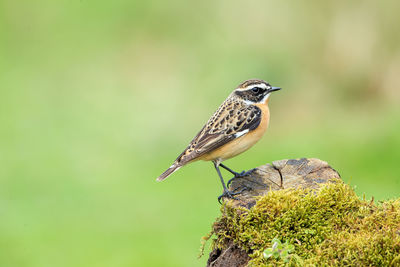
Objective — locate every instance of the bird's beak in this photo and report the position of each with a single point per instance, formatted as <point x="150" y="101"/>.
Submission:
<point x="273" y="89"/>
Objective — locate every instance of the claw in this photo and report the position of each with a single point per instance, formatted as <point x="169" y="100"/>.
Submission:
<point x="227" y="194"/>
<point x="240" y="175"/>
<point x="243" y="187"/>
<point x="231" y="194"/>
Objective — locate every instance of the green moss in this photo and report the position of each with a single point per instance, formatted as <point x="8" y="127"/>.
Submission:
<point x="330" y="226"/>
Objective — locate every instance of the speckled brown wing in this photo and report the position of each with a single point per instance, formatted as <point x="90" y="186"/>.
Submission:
<point x="233" y="119"/>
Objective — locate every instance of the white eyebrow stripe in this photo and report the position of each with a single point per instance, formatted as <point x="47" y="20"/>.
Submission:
<point x="262" y="85"/>
<point x="239" y="134"/>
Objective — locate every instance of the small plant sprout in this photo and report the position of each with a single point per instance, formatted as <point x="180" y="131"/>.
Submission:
<point x="279" y="250"/>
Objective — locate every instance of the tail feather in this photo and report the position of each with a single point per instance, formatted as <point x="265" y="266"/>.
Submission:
<point x="168" y="172"/>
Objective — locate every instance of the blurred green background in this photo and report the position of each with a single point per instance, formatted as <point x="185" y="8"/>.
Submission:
<point x="97" y="98"/>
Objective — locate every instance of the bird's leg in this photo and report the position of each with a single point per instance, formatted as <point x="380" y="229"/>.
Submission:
<point x="226" y="193"/>
<point x="230" y="170"/>
<point x="236" y="174"/>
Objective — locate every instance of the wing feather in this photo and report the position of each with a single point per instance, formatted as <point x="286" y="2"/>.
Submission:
<point x="232" y="120"/>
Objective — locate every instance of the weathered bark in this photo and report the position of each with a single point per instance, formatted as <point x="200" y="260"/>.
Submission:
<point x="281" y="174"/>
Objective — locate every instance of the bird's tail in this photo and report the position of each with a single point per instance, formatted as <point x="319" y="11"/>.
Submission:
<point x="174" y="167"/>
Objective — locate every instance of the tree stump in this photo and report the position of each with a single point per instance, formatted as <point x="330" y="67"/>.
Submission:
<point x="281" y="174"/>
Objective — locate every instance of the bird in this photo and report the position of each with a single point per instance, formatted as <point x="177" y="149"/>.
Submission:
<point x="238" y="123"/>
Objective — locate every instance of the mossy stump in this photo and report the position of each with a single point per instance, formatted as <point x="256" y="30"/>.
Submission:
<point x="299" y="213"/>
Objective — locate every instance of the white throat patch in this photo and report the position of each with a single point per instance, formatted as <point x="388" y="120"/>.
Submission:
<point x="265" y="98"/>
<point x="248" y="102"/>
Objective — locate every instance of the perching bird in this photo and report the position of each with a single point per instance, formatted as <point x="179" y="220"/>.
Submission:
<point x="238" y="124"/>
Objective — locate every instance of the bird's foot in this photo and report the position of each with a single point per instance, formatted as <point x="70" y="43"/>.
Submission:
<point x="231" y="194"/>
<point x="240" y="175"/>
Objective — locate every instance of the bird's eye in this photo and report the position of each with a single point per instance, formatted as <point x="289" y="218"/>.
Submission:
<point x="256" y="90"/>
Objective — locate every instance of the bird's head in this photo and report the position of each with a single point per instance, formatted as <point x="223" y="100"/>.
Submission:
<point x="255" y="91"/>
